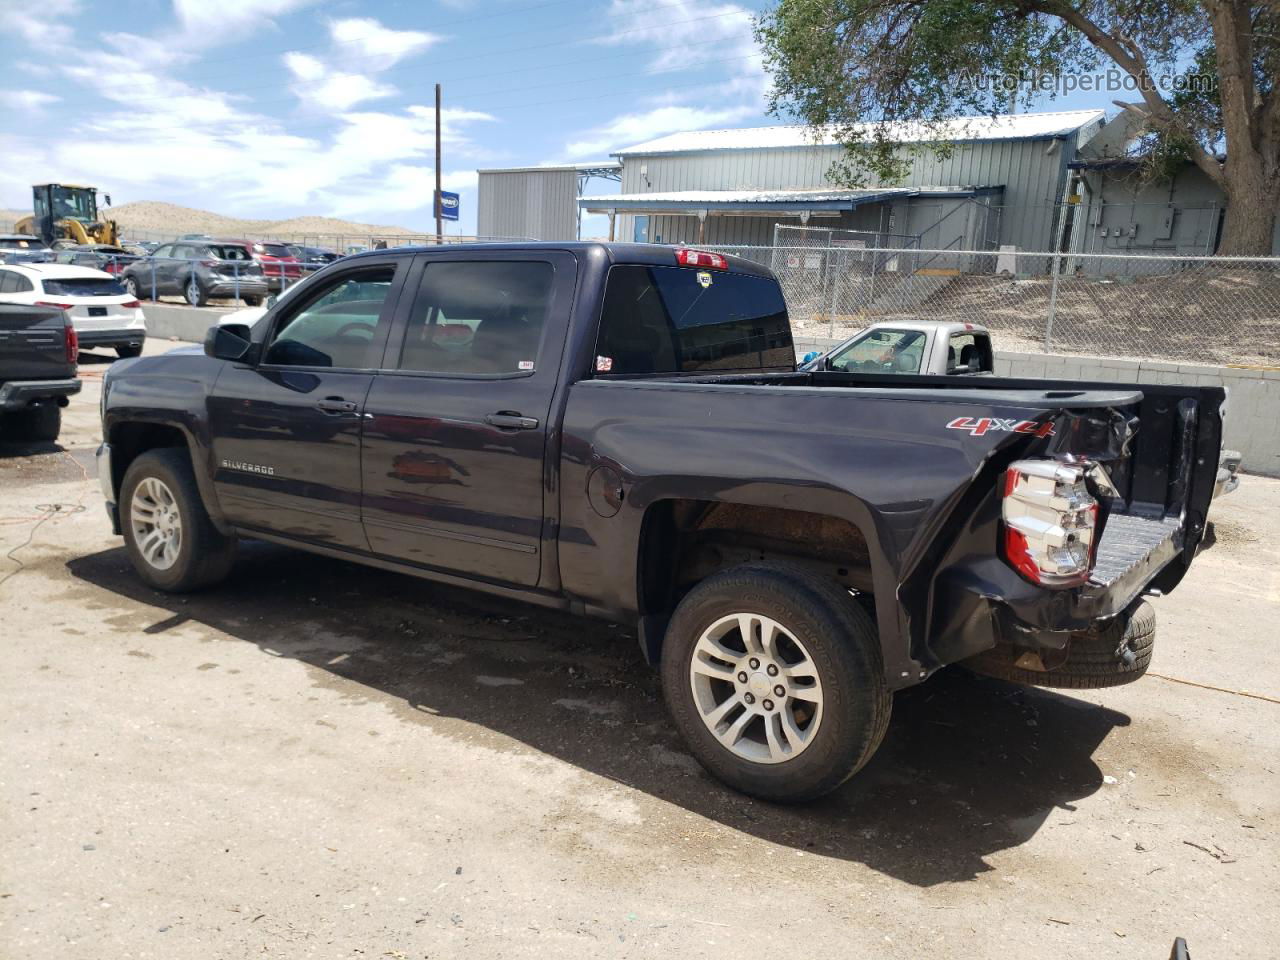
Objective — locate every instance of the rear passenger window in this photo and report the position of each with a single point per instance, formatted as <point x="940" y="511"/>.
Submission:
<point x="969" y="353"/>
<point x="8" y="281"/>
<point x="481" y="317"/>
<point x="678" y="319"/>
<point x="337" y="326"/>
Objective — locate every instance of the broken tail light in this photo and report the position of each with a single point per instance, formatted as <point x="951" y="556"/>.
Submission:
<point x="701" y="258"/>
<point x="1050" y="522"/>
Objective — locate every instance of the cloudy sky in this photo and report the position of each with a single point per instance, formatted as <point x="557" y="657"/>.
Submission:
<point x="278" y="108"/>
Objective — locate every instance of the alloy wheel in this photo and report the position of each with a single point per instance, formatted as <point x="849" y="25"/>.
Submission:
<point x="756" y="688"/>
<point x="156" y="523"/>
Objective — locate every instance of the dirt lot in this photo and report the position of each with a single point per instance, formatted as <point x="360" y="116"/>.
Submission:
<point x="322" y="760"/>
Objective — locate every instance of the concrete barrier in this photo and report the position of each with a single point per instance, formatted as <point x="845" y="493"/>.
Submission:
<point x="1253" y="394"/>
<point x="168" y="320"/>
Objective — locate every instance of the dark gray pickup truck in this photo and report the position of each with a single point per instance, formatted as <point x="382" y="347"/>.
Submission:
<point x="620" y="431"/>
<point x="38" y="351"/>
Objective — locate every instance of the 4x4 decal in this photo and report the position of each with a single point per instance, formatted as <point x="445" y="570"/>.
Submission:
<point x="984" y="425"/>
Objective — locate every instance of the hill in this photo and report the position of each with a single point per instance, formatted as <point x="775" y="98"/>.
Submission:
<point x="145" y="217"/>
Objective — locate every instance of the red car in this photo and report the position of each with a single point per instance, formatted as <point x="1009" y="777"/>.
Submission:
<point x="279" y="266"/>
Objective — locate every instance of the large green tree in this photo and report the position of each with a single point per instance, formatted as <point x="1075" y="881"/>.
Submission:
<point x="1203" y="74"/>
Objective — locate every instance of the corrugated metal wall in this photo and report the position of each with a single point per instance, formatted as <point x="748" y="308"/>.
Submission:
<point x="1033" y="173"/>
<point x="537" y="204"/>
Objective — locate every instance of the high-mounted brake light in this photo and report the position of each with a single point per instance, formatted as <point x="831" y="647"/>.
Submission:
<point x="1050" y="522"/>
<point x="701" y="258"/>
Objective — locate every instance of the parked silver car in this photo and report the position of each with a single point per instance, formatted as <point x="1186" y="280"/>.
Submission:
<point x="198" y="270"/>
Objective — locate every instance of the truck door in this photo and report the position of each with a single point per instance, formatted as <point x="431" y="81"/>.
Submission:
<point x="456" y="422"/>
<point x="286" y="431"/>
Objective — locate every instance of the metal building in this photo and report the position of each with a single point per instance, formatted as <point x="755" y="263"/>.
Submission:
<point x="1004" y="182"/>
<point x="536" y="203"/>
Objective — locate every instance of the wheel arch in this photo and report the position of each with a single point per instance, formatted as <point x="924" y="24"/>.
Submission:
<point x="129" y="439"/>
<point x="684" y="540"/>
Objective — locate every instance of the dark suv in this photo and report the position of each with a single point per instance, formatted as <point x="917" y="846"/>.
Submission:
<point x="198" y="270"/>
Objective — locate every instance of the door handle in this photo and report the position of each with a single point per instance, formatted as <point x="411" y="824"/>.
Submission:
<point x="506" y="420"/>
<point x="336" y="405"/>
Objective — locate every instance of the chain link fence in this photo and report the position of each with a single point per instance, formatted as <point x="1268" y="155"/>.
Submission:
<point x="1188" y="309"/>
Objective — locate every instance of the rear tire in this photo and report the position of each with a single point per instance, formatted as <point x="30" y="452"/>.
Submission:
<point x="131" y="287"/>
<point x="194" y="293"/>
<point x="252" y="301"/>
<point x="1112" y="656"/>
<point x="159" y="495"/>
<point x="40" y="423"/>
<point x="824" y="634"/>
<point x="128" y="350"/>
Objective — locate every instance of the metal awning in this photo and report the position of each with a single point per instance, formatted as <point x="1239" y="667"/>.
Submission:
<point x="758" y="202"/>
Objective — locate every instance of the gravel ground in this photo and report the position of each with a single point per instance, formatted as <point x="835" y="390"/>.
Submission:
<point x="317" y="759"/>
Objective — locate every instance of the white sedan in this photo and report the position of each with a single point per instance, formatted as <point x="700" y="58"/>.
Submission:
<point x="102" y="312"/>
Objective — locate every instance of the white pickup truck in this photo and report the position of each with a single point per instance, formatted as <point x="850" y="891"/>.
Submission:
<point x="910" y="347"/>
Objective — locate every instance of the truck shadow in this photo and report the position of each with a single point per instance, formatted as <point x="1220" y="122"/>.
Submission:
<point x="970" y="766"/>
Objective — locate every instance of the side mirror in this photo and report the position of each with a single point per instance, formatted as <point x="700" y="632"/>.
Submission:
<point x="229" y="342"/>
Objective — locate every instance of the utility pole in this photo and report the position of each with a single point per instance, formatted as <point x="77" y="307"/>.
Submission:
<point x="439" y="210"/>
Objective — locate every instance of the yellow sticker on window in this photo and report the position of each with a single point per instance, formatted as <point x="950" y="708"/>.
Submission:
<point x="704" y="279"/>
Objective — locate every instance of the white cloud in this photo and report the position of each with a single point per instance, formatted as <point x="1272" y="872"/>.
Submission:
<point x="361" y="48"/>
<point x="43" y="26"/>
<point x="368" y="38"/>
<point x="206" y="22"/>
<point x="675" y="27"/>
<point x="633" y="128"/>
<point x="27" y="100"/>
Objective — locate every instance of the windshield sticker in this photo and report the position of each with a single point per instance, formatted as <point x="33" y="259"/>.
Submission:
<point x="704" y="279"/>
<point x="604" y="364"/>
<point x="525" y="364"/>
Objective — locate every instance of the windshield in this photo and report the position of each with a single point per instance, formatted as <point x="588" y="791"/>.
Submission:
<point x="679" y="319"/>
<point x="881" y="351"/>
<point x="16" y="243"/>
<point x="274" y="249"/>
<point x="74" y="204"/>
<point x="84" y="287"/>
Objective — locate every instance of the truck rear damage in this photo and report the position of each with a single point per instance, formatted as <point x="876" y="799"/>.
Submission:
<point x="1106" y="506"/>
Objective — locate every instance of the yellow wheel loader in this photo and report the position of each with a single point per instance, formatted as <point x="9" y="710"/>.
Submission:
<point x="64" y="211"/>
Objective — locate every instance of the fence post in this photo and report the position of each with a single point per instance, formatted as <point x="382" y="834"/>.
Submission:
<point x="235" y="265"/>
<point x="1053" y="302"/>
<point x="153" y="280"/>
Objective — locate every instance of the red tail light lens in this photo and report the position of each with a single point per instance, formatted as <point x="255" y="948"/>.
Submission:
<point x="132" y="305"/>
<point x="701" y="258"/>
<point x="54" y="303"/>
<point x="1050" y="522"/>
<point x="73" y="343"/>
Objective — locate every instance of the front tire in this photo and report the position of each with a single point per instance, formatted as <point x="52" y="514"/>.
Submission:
<point x="171" y="541"/>
<point x="195" y="294"/>
<point x="132" y="288"/>
<point x="814" y="705"/>
<point x="252" y="301"/>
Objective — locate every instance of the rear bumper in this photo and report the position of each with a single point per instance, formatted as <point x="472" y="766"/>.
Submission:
<point x="277" y="284"/>
<point x="245" y="288"/>
<point x="123" y="337"/>
<point x="1228" y="472"/>
<point x="18" y="395"/>
<point x="985" y="602"/>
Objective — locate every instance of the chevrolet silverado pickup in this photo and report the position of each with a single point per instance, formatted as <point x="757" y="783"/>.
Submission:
<point x="38" y="353"/>
<point x="619" y="430"/>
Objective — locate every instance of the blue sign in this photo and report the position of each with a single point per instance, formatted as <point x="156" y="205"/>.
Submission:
<point x="448" y="205"/>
